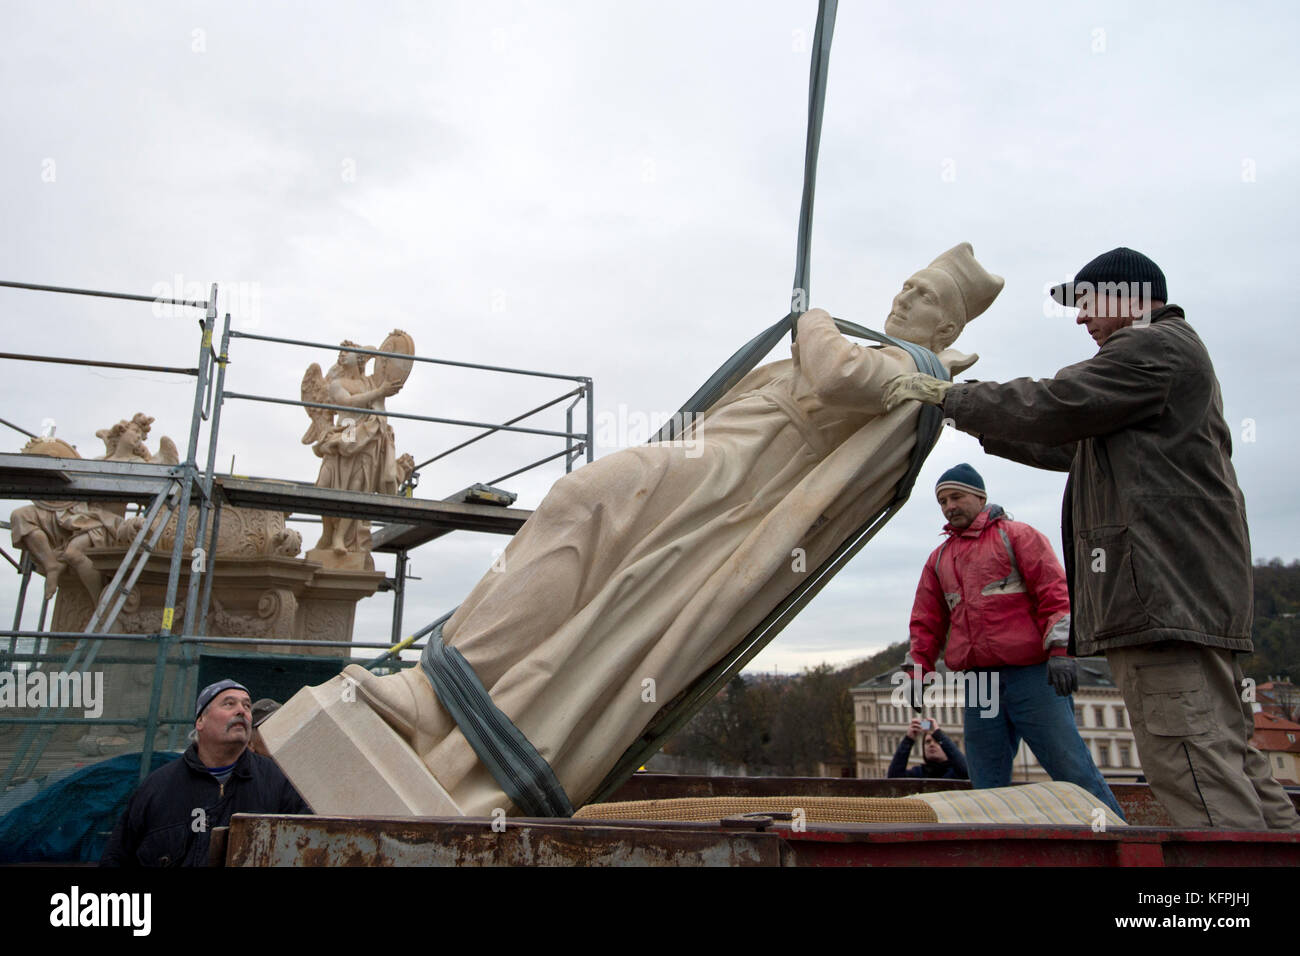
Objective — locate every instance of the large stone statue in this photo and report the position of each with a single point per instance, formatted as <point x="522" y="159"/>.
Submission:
<point x="641" y="570"/>
<point x="357" y="450"/>
<point x="58" y="534"/>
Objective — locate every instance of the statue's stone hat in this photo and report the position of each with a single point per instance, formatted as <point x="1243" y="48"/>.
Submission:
<point x="978" y="286"/>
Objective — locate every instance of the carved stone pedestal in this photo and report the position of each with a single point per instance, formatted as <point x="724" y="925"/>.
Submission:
<point x="251" y="598"/>
<point x="259" y="590"/>
<point x="347" y="561"/>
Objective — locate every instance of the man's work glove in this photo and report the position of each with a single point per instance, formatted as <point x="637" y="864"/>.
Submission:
<point x="914" y="385"/>
<point x="1063" y="674"/>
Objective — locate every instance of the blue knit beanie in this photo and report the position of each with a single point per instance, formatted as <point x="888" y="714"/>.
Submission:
<point x="212" y="690"/>
<point x="962" y="477"/>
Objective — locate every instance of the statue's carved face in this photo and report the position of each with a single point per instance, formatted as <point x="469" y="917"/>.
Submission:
<point x="923" y="309"/>
<point x="132" y="440"/>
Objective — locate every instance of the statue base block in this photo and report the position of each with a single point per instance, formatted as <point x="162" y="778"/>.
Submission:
<point x="345" y="760"/>
<point x="347" y="561"/>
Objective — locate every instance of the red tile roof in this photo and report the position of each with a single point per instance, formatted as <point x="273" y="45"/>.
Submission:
<point x="1275" y="733"/>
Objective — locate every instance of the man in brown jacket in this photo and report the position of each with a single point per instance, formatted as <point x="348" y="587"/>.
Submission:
<point x="1157" y="551"/>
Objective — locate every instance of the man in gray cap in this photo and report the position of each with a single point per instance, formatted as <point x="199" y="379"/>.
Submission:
<point x="1157" y="551"/>
<point x="171" y="816"/>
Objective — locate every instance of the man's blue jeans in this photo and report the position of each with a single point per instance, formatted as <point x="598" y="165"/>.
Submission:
<point x="1028" y="708"/>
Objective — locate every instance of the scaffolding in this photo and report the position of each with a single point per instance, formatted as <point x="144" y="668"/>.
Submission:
<point x="162" y="491"/>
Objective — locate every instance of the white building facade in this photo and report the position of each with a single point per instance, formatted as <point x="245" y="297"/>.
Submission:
<point x="1099" y="713"/>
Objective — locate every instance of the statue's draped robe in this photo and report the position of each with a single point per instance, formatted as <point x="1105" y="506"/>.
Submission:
<point x="651" y="563"/>
<point x="357" y="454"/>
<point x="61" y="521"/>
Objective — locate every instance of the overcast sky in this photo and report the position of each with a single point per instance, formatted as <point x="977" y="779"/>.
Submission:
<point x="612" y="190"/>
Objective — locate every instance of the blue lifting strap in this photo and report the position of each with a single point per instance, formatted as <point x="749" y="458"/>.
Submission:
<point x="514" y="762"/>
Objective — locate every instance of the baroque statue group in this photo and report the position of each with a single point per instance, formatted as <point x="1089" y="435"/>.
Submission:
<point x="57" y="534"/>
<point x="355" y="445"/>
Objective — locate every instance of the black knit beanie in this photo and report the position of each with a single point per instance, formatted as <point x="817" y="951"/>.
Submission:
<point x="1122" y="265"/>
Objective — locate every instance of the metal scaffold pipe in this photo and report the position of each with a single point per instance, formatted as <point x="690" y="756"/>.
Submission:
<point x="97" y="363"/>
<point x="69" y="290"/>
<point x="407" y="358"/>
<point x="404" y="415"/>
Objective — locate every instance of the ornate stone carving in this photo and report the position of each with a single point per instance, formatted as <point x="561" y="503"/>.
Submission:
<point x="325" y="618"/>
<point x="58" y="534"/>
<point x="241" y="533"/>
<point x="125" y="441"/>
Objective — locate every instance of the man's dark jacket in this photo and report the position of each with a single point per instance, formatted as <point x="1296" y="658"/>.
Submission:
<point x="954" y="768"/>
<point x="160" y="826"/>
<point x="1156" y="544"/>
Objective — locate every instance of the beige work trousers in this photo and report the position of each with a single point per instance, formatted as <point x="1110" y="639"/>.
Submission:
<point x="1191" y="727"/>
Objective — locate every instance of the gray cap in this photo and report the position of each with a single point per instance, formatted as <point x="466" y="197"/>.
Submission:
<point x="212" y="690"/>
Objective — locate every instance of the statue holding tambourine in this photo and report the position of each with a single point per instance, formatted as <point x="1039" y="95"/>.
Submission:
<point x="356" y="448"/>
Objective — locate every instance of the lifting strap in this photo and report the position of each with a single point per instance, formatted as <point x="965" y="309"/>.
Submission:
<point x="514" y="762"/>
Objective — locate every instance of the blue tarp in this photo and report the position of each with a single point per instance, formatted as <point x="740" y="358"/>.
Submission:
<point x="69" y="820"/>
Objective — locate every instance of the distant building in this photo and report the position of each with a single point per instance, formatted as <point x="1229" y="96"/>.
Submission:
<point x="1279" y="697"/>
<point x="1278" y="739"/>
<point x="1099" y="713"/>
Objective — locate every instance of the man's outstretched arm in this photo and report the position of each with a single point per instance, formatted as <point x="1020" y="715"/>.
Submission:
<point x="1126" y="382"/>
<point x="1032" y="453"/>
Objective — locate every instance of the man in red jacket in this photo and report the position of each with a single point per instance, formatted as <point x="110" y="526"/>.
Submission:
<point x="995" y="592"/>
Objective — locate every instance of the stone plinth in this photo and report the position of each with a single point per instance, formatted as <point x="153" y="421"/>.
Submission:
<point x="344" y="759"/>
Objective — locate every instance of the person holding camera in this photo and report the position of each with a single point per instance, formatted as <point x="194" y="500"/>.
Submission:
<point x="940" y="756"/>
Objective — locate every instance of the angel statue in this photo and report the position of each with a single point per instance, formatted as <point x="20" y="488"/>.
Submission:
<point x="356" y="448"/>
<point x="125" y="441"/>
<point x="57" y="534"/>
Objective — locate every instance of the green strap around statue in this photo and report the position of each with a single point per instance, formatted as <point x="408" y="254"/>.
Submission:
<point x="523" y="773"/>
